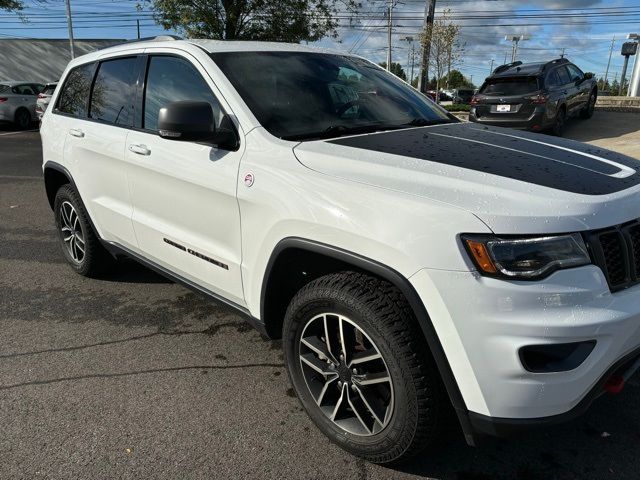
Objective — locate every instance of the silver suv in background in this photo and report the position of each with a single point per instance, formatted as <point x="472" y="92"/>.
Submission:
<point x="18" y="103"/>
<point x="44" y="98"/>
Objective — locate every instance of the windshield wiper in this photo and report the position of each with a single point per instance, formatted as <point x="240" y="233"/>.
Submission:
<point x="424" y="122"/>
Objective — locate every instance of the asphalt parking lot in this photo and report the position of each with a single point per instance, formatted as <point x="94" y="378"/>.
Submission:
<point x="132" y="376"/>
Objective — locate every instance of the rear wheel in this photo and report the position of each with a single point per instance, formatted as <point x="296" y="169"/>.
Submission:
<point x="587" y="111"/>
<point x="560" y="121"/>
<point x="22" y="119"/>
<point x="358" y="367"/>
<point x="79" y="243"/>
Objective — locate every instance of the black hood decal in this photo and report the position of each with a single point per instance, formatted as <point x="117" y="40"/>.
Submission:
<point x="537" y="159"/>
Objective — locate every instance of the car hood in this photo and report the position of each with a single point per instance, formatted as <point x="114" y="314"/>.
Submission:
<point x="514" y="182"/>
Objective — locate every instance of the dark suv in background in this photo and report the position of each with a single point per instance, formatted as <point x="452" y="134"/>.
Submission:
<point x="535" y="96"/>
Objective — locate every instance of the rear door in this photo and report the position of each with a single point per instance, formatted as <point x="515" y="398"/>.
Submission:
<point x="95" y="145"/>
<point x="569" y="88"/>
<point x="27" y="95"/>
<point x="186" y="214"/>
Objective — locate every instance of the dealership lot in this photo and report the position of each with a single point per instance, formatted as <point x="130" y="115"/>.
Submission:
<point x="133" y="376"/>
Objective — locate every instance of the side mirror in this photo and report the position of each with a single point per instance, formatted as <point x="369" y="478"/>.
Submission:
<point x="588" y="76"/>
<point x="186" y="120"/>
<point x="194" y="121"/>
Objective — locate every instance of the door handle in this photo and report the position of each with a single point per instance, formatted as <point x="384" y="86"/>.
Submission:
<point x="564" y="92"/>
<point x="139" y="149"/>
<point x="76" y="132"/>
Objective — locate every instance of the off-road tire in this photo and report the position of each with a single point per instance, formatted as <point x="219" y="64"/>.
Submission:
<point x="383" y="313"/>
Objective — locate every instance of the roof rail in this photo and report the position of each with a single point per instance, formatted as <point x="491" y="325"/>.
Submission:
<point x="507" y="66"/>
<point x="553" y="63"/>
<point x="157" y="38"/>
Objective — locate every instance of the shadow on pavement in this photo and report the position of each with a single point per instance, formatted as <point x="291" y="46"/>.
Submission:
<point x="603" y="125"/>
<point x="601" y="444"/>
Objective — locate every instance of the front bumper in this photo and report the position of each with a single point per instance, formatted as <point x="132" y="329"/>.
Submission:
<point x="483" y="322"/>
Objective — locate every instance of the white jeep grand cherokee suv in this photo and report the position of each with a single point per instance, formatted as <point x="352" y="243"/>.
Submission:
<point x="409" y="261"/>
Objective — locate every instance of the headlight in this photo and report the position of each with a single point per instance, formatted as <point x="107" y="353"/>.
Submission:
<point x="526" y="258"/>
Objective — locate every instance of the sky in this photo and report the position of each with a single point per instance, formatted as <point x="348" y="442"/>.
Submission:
<point x="583" y="28"/>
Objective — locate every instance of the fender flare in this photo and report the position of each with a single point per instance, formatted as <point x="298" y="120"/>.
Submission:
<point x="402" y="283"/>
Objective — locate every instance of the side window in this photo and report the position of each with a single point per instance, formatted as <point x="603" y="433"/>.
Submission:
<point x="575" y="72"/>
<point x="24" y="90"/>
<point x="112" y="94"/>
<point x="75" y="93"/>
<point x="173" y="79"/>
<point x="552" y="79"/>
<point x="563" y="74"/>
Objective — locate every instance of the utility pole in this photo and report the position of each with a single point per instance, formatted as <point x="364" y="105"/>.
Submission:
<point x="389" y="27"/>
<point x="606" y="74"/>
<point x="562" y="54"/>
<point x="429" y="16"/>
<point x="138" y="24"/>
<point x="70" y="25"/>
<point x="491" y="67"/>
<point x="410" y="57"/>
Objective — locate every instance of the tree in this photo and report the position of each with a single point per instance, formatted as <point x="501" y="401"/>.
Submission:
<point x="11" y="5"/>
<point x="445" y="50"/>
<point x="267" y="20"/>
<point x="396" y="69"/>
<point x="455" y="79"/>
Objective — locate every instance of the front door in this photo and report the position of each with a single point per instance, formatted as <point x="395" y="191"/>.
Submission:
<point x="186" y="215"/>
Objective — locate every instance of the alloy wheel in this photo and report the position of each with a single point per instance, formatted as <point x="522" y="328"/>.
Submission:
<point x="346" y="374"/>
<point x="71" y="230"/>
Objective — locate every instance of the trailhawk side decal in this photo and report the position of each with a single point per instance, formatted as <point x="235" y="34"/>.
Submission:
<point x="554" y="163"/>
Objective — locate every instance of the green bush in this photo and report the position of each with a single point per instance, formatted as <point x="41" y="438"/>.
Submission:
<point x="458" y="107"/>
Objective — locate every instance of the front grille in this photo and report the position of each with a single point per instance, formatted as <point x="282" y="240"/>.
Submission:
<point x="616" y="251"/>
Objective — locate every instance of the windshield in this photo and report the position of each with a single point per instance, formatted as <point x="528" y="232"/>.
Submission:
<point x="303" y="96"/>
<point x="510" y="86"/>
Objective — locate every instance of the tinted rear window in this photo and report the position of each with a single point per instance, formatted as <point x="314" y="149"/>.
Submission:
<point x="510" y="86"/>
<point x="5" y="88"/>
<point x="75" y="92"/>
<point x="111" y="97"/>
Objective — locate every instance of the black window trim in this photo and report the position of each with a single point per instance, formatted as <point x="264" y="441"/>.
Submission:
<point x="85" y="112"/>
<point x="138" y="94"/>
<point x="143" y="73"/>
<point x="132" y="94"/>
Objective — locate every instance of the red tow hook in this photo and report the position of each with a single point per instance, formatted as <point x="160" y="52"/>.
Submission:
<point x="615" y="384"/>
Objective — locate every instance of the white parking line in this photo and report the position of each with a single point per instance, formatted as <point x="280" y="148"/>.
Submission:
<point x="15" y="133"/>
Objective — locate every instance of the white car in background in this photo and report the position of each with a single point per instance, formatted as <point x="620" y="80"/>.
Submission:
<point x="18" y="103"/>
<point x="410" y="262"/>
<point x="44" y="98"/>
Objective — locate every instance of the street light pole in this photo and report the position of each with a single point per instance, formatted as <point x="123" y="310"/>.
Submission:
<point x="491" y="67"/>
<point x="634" y="83"/>
<point x="70" y="25"/>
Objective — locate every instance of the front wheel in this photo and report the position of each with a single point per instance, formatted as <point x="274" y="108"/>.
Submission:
<point x="357" y="364"/>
